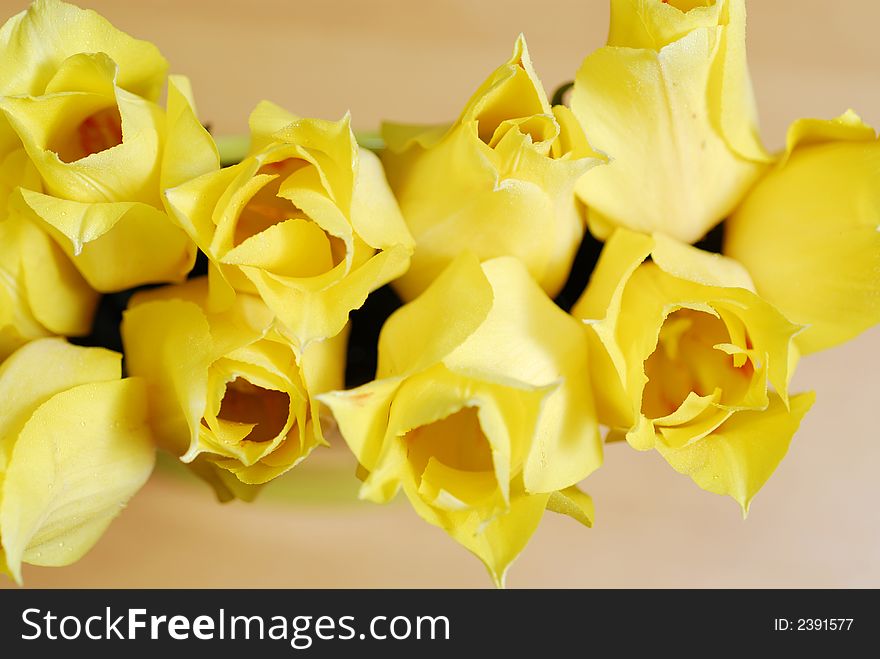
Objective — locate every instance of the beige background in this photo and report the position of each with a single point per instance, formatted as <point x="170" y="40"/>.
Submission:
<point x="815" y="524"/>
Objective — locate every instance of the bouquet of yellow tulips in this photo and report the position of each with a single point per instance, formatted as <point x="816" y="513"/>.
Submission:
<point x="497" y="381"/>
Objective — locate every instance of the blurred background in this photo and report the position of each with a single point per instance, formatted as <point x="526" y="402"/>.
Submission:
<point x="816" y="523"/>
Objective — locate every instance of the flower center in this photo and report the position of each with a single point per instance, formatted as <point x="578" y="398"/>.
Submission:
<point x="97" y="132"/>
<point x="266" y="208"/>
<point x="244" y="402"/>
<point x="452" y="461"/>
<point x="456" y="441"/>
<point x="686" y="361"/>
<point x="309" y="251"/>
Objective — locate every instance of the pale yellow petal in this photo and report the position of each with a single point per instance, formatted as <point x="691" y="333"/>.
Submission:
<point x="58" y="295"/>
<point x="654" y="24"/>
<point x="265" y="121"/>
<point x="362" y="416"/>
<point x="169" y="345"/>
<point x="38" y="371"/>
<point x="498" y="542"/>
<point x="77" y="461"/>
<point x="739" y="457"/>
<point x="408" y="342"/>
<point x="809" y="232"/>
<point x="573" y="502"/>
<point x="29" y="57"/>
<point x="698" y="266"/>
<point x="115" y="245"/>
<point x="671" y="170"/>
<point x="375" y="215"/>
<point x="527" y="338"/>
<point x="50" y="129"/>
<point x="189" y="149"/>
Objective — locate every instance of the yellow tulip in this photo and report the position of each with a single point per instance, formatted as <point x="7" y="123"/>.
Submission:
<point x="306" y="222"/>
<point x="809" y="233"/>
<point x="81" y="98"/>
<point x="669" y="99"/>
<point x="484" y="419"/>
<point x="689" y="360"/>
<point x="74" y="447"/>
<point x="227" y="394"/>
<point x="497" y="182"/>
<point x="41" y="293"/>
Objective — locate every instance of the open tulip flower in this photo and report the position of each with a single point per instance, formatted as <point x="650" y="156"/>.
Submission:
<point x="82" y="104"/>
<point x="306" y="222"/>
<point x="689" y="360"/>
<point x="484" y="420"/>
<point x="497" y="182"/>
<point x="229" y="396"/>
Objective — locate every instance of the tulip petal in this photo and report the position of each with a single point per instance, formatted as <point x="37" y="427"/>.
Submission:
<point x="698" y="266"/>
<point x="78" y="459"/>
<point x="541" y="345"/>
<point x="17" y="324"/>
<point x="265" y="120"/>
<point x="38" y="371"/>
<point x="506" y="417"/>
<point x="189" y="150"/>
<point x="57" y="293"/>
<point x="513" y="90"/>
<point x="138" y="243"/>
<point x="496" y="543"/>
<point x="311" y="316"/>
<point x="599" y="306"/>
<point x="848" y="127"/>
<point x="399" y="353"/>
<point x="49" y="130"/>
<point x="648" y="110"/>
<point x="574" y="503"/>
<point x="29" y="57"/>
<point x="168" y="344"/>
<point x="809" y="232"/>
<point x="224" y="483"/>
<point x="731" y="97"/>
<point x="40" y="290"/>
<point x="375" y="215"/>
<point x="739" y="457"/>
<point x="362" y="415"/>
<point x="653" y="25"/>
<point x="332" y="148"/>
<point x="323" y="363"/>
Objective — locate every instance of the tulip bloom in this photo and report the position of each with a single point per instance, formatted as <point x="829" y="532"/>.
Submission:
<point x="306" y="222"/>
<point x="74" y="447"/>
<point x="499" y="181"/>
<point x="228" y="395"/>
<point x="80" y="97"/>
<point x="809" y="233"/>
<point x="484" y="419"/>
<point x="688" y="360"/>
<point x="669" y="99"/>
